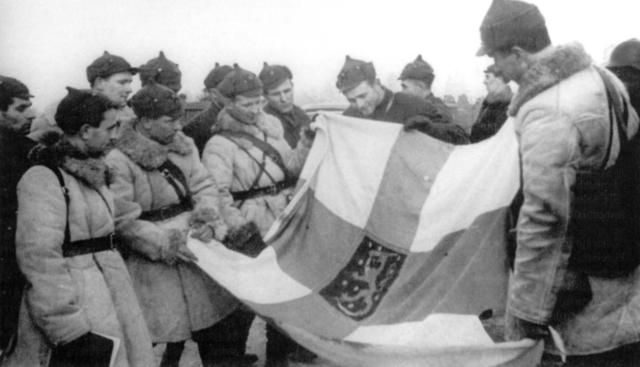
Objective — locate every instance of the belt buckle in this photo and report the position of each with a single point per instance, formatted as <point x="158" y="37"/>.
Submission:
<point x="112" y="244"/>
<point x="163" y="212"/>
<point x="272" y="190"/>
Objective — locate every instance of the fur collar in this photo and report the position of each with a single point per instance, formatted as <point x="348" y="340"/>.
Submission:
<point x="266" y="124"/>
<point x="55" y="150"/>
<point x="145" y="152"/>
<point x="563" y="62"/>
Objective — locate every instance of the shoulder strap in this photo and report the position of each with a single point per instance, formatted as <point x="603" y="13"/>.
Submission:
<point x="615" y="110"/>
<point x="65" y="193"/>
<point x="265" y="147"/>
<point x="170" y="171"/>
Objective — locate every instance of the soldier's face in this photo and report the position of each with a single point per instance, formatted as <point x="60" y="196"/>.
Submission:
<point x="510" y="63"/>
<point x="364" y="97"/>
<point x="116" y="87"/>
<point x="100" y="139"/>
<point x="163" y="129"/>
<point x="18" y="116"/>
<point x="415" y="87"/>
<point x="493" y="83"/>
<point x="249" y="107"/>
<point x="281" y="97"/>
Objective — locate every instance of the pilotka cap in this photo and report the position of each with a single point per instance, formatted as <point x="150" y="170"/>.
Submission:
<point x="240" y="82"/>
<point x="162" y="71"/>
<point x="354" y="72"/>
<point x="510" y="23"/>
<point x="272" y="76"/>
<point x="107" y="65"/>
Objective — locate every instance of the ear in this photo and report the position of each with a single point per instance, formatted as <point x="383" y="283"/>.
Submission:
<point x="83" y="133"/>
<point x="145" y="122"/>
<point x="520" y="53"/>
<point x="98" y="84"/>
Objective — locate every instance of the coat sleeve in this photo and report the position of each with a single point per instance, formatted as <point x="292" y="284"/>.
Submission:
<point x="141" y="236"/>
<point x="217" y="161"/>
<point x="52" y="296"/>
<point x="550" y="154"/>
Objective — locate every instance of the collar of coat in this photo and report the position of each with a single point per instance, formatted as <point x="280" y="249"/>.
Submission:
<point x="265" y="124"/>
<point x="148" y="153"/>
<point x="560" y="64"/>
<point x="54" y="150"/>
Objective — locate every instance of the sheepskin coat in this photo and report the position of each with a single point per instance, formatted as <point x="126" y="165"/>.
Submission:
<point x="177" y="298"/>
<point x="67" y="297"/>
<point x="562" y="124"/>
<point x="232" y="164"/>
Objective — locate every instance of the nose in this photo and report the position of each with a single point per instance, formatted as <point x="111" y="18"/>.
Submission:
<point x="255" y="109"/>
<point x="30" y="114"/>
<point x="177" y="125"/>
<point x="360" y="103"/>
<point x="114" y="134"/>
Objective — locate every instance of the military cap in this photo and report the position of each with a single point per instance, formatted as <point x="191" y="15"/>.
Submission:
<point x="216" y="75"/>
<point x="626" y="54"/>
<point x="162" y="71"/>
<point x="155" y="100"/>
<point x="418" y="69"/>
<point x="511" y="23"/>
<point x="80" y="107"/>
<point x="240" y="82"/>
<point x="107" y="65"/>
<point x="13" y="88"/>
<point x="354" y="72"/>
<point x="273" y="75"/>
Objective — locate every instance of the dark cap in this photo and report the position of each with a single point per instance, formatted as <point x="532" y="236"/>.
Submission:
<point x="162" y="71"/>
<point x="155" y="100"/>
<point x="493" y="69"/>
<point x="272" y="76"/>
<point x="418" y="69"/>
<point x="216" y="75"/>
<point x="510" y="23"/>
<point x="107" y="65"/>
<point x="80" y="107"/>
<point x="626" y="54"/>
<point x="13" y="88"/>
<point x="354" y="72"/>
<point x="240" y="82"/>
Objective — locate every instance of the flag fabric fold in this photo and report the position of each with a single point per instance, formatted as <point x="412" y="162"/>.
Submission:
<point x="391" y="248"/>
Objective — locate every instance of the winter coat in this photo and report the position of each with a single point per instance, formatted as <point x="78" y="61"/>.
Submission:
<point x="67" y="297"/>
<point x="14" y="149"/>
<point x="176" y="298"/>
<point x="562" y="125"/>
<point x="404" y="108"/>
<point x="199" y="127"/>
<point x="235" y="171"/>
<point x="492" y="116"/>
<point x="292" y="122"/>
<point x="441" y="107"/>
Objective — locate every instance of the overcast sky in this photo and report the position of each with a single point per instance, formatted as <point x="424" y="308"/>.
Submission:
<point x="49" y="43"/>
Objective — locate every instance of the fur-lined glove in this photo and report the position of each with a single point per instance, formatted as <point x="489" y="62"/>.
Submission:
<point x="246" y="240"/>
<point x="174" y="240"/>
<point x="207" y="224"/>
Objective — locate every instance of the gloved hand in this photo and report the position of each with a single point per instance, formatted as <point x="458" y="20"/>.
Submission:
<point x="176" y="248"/>
<point x="307" y="137"/>
<point x="246" y="239"/>
<point x="88" y="350"/>
<point x="203" y="232"/>
<point x="517" y="329"/>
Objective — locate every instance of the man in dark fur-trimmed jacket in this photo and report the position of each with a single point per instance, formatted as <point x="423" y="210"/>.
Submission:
<point x="575" y="161"/>
<point x="161" y="191"/>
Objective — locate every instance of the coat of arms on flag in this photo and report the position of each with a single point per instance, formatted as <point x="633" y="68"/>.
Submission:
<point x="392" y="247"/>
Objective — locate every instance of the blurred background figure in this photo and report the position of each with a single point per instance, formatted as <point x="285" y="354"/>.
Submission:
<point x="625" y="63"/>
<point x="493" y="112"/>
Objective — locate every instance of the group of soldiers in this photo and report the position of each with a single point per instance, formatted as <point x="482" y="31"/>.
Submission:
<point x="99" y="196"/>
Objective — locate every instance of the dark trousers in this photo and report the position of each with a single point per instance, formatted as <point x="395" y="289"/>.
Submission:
<point x="625" y="356"/>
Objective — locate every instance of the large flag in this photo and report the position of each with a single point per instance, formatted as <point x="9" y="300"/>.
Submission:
<point x="392" y="247"/>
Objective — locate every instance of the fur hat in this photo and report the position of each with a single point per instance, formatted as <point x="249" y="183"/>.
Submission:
<point x="10" y="88"/>
<point x="216" y="75"/>
<point x="107" y="65"/>
<point x="240" y="82"/>
<point x="418" y="69"/>
<point x="354" y="72"/>
<point x="155" y="100"/>
<point x="273" y="75"/>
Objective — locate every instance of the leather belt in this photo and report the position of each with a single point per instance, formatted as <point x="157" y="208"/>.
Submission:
<point x="167" y="212"/>
<point x="262" y="191"/>
<point x="89" y="246"/>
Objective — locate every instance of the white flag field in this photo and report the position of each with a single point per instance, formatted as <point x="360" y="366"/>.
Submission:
<point x="391" y="249"/>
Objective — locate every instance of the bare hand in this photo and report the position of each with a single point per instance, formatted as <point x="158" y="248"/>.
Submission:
<point x="203" y="233"/>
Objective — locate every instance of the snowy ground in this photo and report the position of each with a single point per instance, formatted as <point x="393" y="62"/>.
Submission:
<point x="256" y="345"/>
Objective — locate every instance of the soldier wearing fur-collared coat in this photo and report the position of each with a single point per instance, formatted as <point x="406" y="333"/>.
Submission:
<point x="68" y="297"/>
<point x="177" y="298"/>
<point x="233" y="164"/>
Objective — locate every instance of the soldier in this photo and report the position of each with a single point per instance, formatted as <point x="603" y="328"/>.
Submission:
<point x="369" y="99"/>
<point x="625" y="63"/>
<point x="161" y="71"/>
<point x="493" y="112"/>
<point x="278" y="90"/>
<point x="417" y="78"/>
<point x="109" y="75"/>
<point x="249" y="157"/>
<point x="15" y="123"/>
<point x="79" y="296"/>
<point x="578" y="246"/>
<point x="162" y="190"/>
<point x="199" y="128"/>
